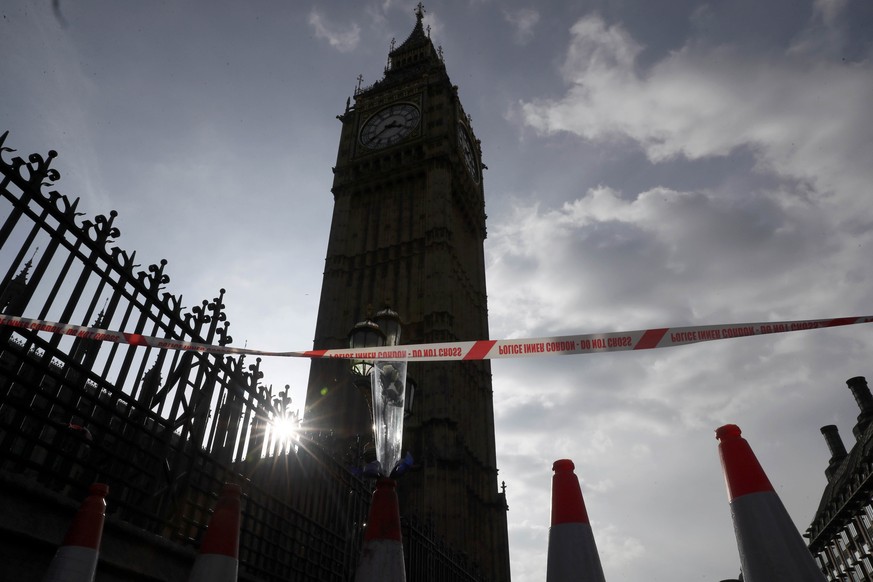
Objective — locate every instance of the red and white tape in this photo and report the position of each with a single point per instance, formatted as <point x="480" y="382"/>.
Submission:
<point x="619" y="341"/>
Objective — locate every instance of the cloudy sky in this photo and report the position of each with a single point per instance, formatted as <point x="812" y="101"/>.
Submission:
<point x="651" y="164"/>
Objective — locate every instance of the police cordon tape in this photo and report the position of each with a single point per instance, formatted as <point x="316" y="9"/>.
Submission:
<point x="618" y="341"/>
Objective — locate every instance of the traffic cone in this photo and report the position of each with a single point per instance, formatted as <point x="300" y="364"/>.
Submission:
<point x="76" y="559"/>
<point x="771" y="549"/>
<point x="382" y="554"/>
<point x="572" y="551"/>
<point x="219" y="552"/>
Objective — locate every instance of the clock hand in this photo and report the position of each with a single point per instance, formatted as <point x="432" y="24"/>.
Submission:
<point x="391" y="125"/>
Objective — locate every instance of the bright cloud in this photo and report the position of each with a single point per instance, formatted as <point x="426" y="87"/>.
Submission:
<point x="523" y="20"/>
<point x="829" y="10"/>
<point x="343" y="39"/>
<point x="803" y="118"/>
<point x="608" y="257"/>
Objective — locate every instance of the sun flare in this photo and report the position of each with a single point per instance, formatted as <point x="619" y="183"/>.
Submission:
<point x="284" y="429"/>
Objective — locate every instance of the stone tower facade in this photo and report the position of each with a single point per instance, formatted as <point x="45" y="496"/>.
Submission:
<point x="408" y="229"/>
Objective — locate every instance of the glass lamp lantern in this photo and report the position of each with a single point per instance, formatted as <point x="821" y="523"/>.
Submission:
<point x="365" y="334"/>
<point x="388" y="321"/>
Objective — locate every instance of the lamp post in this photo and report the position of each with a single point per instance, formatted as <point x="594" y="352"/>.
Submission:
<point x="383" y="384"/>
<point x="389" y="396"/>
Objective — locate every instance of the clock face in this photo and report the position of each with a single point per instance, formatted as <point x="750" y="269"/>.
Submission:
<point x="467" y="152"/>
<point x="390" y="125"/>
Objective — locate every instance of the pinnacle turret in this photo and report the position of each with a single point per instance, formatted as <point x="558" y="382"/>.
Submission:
<point x="416" y="52"/>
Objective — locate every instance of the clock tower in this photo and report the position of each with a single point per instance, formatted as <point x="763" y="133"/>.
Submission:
<point x="408" y="230"/>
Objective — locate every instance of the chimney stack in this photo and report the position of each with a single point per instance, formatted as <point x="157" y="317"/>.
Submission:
<point x="858" y="386"/>
<point x="838" y="449"/>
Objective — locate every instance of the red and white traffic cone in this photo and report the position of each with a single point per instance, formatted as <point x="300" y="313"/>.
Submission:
<point x="771" y="549"/>
<point x="382" y="554"/>
<point x="76" y="559"/>
<point x="218" y="559"/>
<point x="572" y="551"/>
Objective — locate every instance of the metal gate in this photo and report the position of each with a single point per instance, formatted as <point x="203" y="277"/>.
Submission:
<point x="163" y="429"/>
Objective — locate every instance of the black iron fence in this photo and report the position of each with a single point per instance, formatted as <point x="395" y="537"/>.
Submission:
<point x="164" y="429"/>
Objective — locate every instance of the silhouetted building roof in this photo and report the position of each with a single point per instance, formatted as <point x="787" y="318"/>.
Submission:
<point x="841" y="531"/>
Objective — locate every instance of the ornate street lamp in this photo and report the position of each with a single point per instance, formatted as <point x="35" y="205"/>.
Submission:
<point x="388" y="392"/>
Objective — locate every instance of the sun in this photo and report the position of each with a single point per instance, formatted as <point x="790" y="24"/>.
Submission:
<point x="283" y="430"/>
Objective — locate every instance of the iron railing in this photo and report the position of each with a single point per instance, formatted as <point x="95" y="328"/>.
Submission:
<point x="164" y="429"/>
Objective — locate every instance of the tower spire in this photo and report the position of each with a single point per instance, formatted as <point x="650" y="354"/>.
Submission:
<point x="413" y="55"/>
<point x="15" y="296"/>
<point x="99" y="321"/>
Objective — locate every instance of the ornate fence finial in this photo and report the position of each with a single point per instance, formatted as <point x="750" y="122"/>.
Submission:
<point x="101" y="230"/>
<point x="36" y="172"/>
<point x="155" y="276"/>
